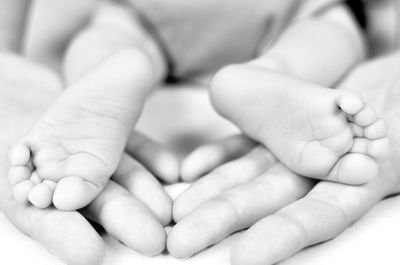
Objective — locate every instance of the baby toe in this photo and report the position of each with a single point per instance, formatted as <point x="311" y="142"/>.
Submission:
<point x="358" y="131"/>
<point x="379" y="149"/>
<point x="18" y="174"/>
<point x="351" y="103"/>
<point x="41" y="195"/>
<point x="21" y="190"/>
<point x="376" y="130"/>
<point x="73" y="193"/>
<point x="19" y="155"/>
<point x="366" y="116"/>
<point x="360" y="145"/>
<point x="35" y="178"/>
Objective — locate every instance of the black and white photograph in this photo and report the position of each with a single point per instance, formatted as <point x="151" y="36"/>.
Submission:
<point x="192" y="132"/>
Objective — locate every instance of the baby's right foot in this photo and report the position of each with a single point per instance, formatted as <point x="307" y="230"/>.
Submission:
<point x="71" y="152"/>
<point x="316" y="132"/>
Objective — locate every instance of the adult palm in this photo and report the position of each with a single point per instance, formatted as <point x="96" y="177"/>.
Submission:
<point x="285" y="212"/>
<point x="134" y="217"/>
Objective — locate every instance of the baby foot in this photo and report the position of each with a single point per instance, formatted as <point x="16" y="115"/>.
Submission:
<point x="73" y="149"/>
<point x="316" y="132"/>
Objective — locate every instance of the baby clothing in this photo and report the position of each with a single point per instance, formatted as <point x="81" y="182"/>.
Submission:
<point x="201" y="36"/>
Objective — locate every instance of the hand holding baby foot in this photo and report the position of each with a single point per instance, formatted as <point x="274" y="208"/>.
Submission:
<point x="134" y="206"/>
<point x="134" y="189"/>
<point x="316" y="132"/>
<point x="73" y="149"/>
<point x="237" y="198"/>
<point x="26" y="89"/>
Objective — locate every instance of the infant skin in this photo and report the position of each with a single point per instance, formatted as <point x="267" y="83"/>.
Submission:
<point x="74" y="148"/>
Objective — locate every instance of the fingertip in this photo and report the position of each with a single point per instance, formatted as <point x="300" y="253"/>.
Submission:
<point x="177" y="243"/>
<point x="208" y="157"/>
<point x="177" y="211"/>
<point x="142" y="184"/>
<point x="154" y="156"/>
<point x="187" y="237"/>
<point x="201" y="161"/>
<point x="191" y="168"/>
<point x="128" y="219"/>
<point x="168" y="167"/>
<point x="148" y="237"/>
<point x="161" y="206"/>
<point x="182" y="206"/>
<point x="165" y="214"/>
<point x="158" y="242"/>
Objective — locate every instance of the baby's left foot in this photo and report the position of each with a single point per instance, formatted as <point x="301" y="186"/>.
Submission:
<point x="73" y="149"/>
<point x="316" y="132"/>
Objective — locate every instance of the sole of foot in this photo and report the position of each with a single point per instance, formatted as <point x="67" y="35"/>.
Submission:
<point x="315" y="131"/>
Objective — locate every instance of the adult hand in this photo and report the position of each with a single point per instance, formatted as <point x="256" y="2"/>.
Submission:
<point x="286" y="212"/>
<point x="133" y="216"/>
<point x="124" y="210"/>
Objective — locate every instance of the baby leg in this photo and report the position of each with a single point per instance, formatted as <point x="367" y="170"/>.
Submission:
<point x="320" y="49"/>
<point x="73" y="149"/>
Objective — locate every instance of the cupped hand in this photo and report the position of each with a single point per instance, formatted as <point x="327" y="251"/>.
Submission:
<point x="285" y="212"/>
<point x="133" y="207"/>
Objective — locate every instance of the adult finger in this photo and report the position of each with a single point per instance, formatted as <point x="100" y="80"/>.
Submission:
<point x="323" y="214"/>
<point x="221" y="179"/>
<point x="67" y="235"/>
<point x="207" y="157"/>
<point x="128" y="219"/>
<point x="236" y="209"/>
<point x="135" y="178"/>
<point x="154" y="156"/>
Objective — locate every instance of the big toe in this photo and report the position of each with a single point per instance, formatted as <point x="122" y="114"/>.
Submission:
<point x="354" y="169"/>
<point x="73" y="193"/>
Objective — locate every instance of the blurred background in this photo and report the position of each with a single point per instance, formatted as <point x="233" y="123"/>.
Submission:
<point x="47" y="22"/>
